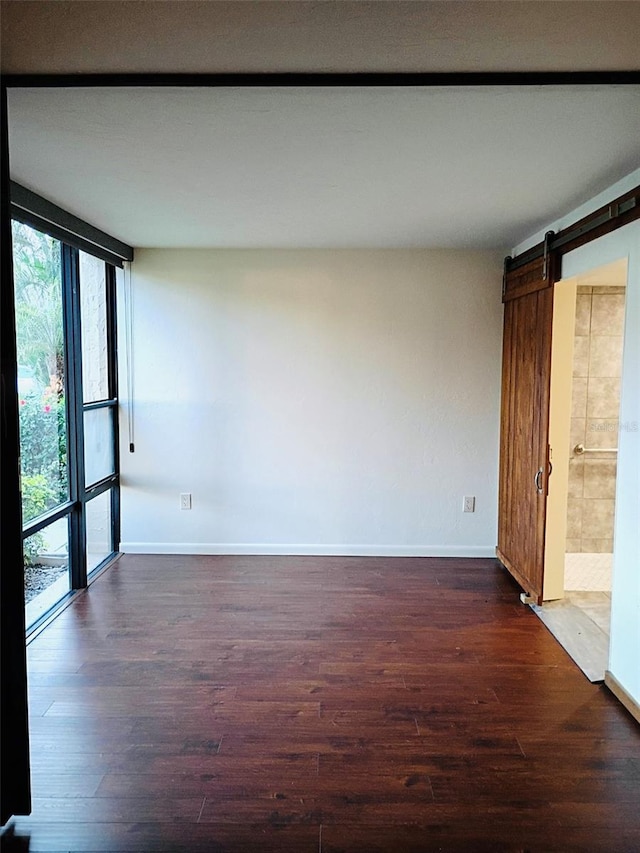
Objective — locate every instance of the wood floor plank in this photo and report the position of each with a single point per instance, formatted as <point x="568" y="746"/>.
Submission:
<point x="150" y="837"/>
<point x="353" y="705"/>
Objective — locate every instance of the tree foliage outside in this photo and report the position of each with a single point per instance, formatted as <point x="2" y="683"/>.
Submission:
<point x="41" y="380"/>
<point x="37" y="273"/>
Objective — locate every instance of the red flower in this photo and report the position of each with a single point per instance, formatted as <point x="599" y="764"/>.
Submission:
<point x="47" y="408"/>
<point x="23" y="402"/>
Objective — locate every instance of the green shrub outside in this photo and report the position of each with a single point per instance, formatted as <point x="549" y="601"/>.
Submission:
<point x="39" y="335"/>
<point x="43" y="444"/>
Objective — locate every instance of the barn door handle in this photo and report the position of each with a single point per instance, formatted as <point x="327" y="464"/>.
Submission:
<point x="538" y="480"/>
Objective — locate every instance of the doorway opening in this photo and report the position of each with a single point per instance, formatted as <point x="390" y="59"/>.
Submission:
<point x="586" y="370"/>
<point x="595" y="412"/>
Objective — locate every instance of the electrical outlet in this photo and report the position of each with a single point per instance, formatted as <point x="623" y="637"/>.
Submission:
<point x="185" y="500"/>
<point x="469" y="504"/>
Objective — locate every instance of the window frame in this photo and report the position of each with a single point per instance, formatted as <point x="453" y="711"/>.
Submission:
<point x="74" y="509"/>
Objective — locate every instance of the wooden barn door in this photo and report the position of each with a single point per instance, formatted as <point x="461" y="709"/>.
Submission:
<point x="524" y="429"/>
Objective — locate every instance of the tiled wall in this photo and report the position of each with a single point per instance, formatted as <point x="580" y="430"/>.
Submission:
<point x="597" y="366"/>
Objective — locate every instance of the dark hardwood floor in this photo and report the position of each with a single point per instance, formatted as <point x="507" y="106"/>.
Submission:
<point x="329" y="705"/>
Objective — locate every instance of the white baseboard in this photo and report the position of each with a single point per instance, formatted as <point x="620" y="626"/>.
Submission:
<point x="243" y="549"/>
<point x="632" y="706"/>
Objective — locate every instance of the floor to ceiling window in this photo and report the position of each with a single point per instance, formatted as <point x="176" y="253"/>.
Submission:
<point x="65" y="338"/>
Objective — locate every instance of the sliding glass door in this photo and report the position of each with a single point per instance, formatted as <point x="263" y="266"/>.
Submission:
<point x="100" y="492"/>
<point x="43" y="417"/>
<point x="65" y="336"/>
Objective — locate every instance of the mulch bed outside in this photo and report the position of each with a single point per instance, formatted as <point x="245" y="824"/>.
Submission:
<point x="37" y="578"/>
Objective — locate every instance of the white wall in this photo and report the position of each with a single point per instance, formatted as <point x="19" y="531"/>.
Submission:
<point x="313" y="401"/>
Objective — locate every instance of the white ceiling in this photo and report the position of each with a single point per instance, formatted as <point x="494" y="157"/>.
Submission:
<point x="323" y="167"/>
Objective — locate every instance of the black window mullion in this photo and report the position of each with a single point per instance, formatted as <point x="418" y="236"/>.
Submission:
<point x="47" y="518"/>
<point x="100" y="404"/>
<point x="75" y="448"/>
<point x="101" y="486"/>
<point x="111" y="483"/>
<point x="110" y="280"/>
<point x="115" y="516"/>
<point x="112" y="331"/>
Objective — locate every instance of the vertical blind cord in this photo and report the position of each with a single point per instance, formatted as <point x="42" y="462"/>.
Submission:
<point x="128" y="322"/>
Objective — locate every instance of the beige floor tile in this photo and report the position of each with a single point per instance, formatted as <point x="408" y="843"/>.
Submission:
<point x="605" y="355"/>
<point x="583" y="314"/>
<point x="581" y="355"/>
<point x="599" y="478"/>
<point x="579" y="397"/>
<point x="588" y="572"/>
<point x="576" y="477"/>
<point x="574" y="519"/>
<point x="596" y="546"/>
<point x="602" y="433"/>
<point x="578" y="431"/>
<point x="597" y="519"/>
<point x="603" y="397"/>
<point x="607" y="314"/>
